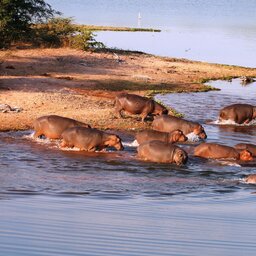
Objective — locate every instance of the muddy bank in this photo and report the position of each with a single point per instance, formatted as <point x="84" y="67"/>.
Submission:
<point x="83" y="85"/>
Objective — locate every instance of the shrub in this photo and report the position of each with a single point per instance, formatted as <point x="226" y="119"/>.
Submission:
<point x="84" y="40"/>
<point x="54" y="33"/>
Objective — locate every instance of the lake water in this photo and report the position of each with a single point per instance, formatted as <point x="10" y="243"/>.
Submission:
<point x="213" y="31"/>
<point x="57" y="202"/>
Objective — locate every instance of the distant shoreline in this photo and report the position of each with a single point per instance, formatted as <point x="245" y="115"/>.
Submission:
<point x="120" y="29"/>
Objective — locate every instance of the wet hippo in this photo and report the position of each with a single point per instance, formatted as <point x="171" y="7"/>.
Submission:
<point x="239" y="113"/>
<point x="52" y="126"/>
<point x="89" y="139"/>
<point x="217" y="151"/>
<point x="135" y="104"/>
<point x="247" y="146"/>
<point x="161" y="152"/>
<point x="251" y="179"/>
<point x="167" y="123"/>
<point x="172" y="137"/>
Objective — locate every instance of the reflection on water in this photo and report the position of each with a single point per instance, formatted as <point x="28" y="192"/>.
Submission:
<point x="56" y="202"/>
<point x="84" y="226"/>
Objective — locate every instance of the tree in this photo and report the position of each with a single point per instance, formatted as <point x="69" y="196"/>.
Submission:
<point x="18" y="16"/>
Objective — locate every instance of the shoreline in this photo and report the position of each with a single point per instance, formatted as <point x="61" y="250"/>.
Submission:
<point x="83" y="85"/>
<point x="119" y="29"/>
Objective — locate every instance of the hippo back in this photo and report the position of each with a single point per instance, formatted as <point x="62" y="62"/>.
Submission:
<point x="82" y="137"/>
<point x="135" y="104"/>
<point x="148" y="135"/>
<point x="167" y="123"/>
<point x="216" y="151"/>
<point x="161" y="152"/>
<point x="52" y="126"/>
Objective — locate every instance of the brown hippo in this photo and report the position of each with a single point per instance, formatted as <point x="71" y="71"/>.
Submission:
<point x="239" y="113"/>
<point x="247" y="146"/>
<point x="89" y="139"/>
<point x="251" y="179"/>
<point x="53" y="126"/>
<point x="217" y="151"/>
<point x="172" y="137"/>
<point x="135" y="104"/>
<point x="167" y="123"/>
<point x="161" y="152"/>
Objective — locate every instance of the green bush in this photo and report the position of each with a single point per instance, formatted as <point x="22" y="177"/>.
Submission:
<point x="56" y="32"/>
<point x="84" y="40"/>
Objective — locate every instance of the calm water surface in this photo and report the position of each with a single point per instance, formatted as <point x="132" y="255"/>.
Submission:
<point x="214" y="31"/>
<point x="69" y="203"/>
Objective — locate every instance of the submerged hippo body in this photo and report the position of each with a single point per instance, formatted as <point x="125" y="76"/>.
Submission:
<point x="89" y="139"/>
<point x="170" y="123"/>
<point x="238" y="113"/>
<point x="52" y="126"/>
<point x="161" y="152"/>
<point x="172" y="137"/>
<point x="247" y="146"/>
<point x="251" y="179"/>
<point x="217" y="151"/>
<point x="135" y="104"/>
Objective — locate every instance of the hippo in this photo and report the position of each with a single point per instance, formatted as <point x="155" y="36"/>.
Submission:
<point x="162" y="152"/>
<point x="247" y="146"/>
<point x="168" y="123"/>
<point x="217" y="151"/>
<point x="135" y="104"/>
<point x="88" y="139"/>
<point x="53" y="126"/>
<point x="238" y="113"/>
<point x="172" y="137"/>
<point x="251" y="179"/>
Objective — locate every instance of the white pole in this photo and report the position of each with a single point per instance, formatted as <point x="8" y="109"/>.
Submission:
<point x="139" y="20"/>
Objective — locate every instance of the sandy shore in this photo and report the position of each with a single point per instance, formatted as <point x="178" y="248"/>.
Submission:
<point x="83" y="85"/>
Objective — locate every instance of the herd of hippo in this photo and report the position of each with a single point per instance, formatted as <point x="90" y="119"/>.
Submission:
<point x="156" y="145"/>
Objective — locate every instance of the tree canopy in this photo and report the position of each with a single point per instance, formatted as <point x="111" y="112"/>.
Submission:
<point x="18" y="16"/>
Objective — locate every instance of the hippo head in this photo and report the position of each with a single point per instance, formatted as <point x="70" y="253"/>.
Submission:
<point x="245" y="155"/>
<point x="177" y="136"/>
<point x="114" y="141"/>
<point x="180" y="156"/>
<point x="199" y="130"/>
<point x="251" y="179"/>
<point x="159" y="109"/>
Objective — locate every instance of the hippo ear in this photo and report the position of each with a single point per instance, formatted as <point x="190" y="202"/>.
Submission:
<point x="165" y="112"/>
